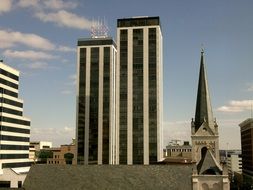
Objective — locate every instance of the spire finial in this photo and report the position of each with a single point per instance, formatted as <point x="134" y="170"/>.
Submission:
<point x="202" y="48"/>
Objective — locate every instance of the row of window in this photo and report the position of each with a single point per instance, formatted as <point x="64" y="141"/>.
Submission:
<point x="14" y="138"/>
<point x="8" y="83"/>
<point x="8" y="74"/>
<point x="16" y="165"/>
<point x="16" y="121"/>
<point x="13" y="156"/>
<point x="11" y="102"/>
<point x="8" y="92"/>
<point x="11" y="111"/>
<point x="14" y="147"/>
<point x="14" y="129"/>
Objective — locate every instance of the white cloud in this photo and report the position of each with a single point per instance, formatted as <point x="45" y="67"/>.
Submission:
<point x="250" y="88"/>
<point x="5" y="6"/>
<point x="28" y="3"/>
<point x="179" y="130"/>
<point x="37" y="65"/>
<point x="64" y="18"/>
<point x="72" y="80"/>
<point x="66" y="49"/>
<point x="58" y="136"/>
<point x="59" y="4"/>
<point x="12" y="38"/>
<point x="47" y="4"/>
<point x="30" y="55"/>
<point x="66" y="92"/>
<point x="236" y="106"/>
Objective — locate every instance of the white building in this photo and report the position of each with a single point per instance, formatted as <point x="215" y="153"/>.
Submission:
<point x="234" y="161"/>
<point x="36" y="146"/>
<point x="139" y="87"/>
<point x="14" y="127"/>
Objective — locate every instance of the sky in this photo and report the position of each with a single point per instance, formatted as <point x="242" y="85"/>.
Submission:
<point x="39" y="38"/>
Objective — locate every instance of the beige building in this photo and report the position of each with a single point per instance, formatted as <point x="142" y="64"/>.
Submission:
<point x="179" y="150"/>
<point x="66" y="154"/>
<point x="208" y="173"/>
<point x="36" y="146"/>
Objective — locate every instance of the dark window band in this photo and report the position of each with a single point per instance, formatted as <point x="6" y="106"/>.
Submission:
<point x="16" y="121"/>
<point x="8" y="92"/>
<point x="14" y="147"/>
<point x="8" y="74"/>
<point x="13" y="138"/>
<point x="13" y="156"/>
<point x="16" y="165"/>
<point x="14" y="129"/>
<point x="8" y="83"/>
<point x="11" y="102"/>
<point x="10" y="111"/>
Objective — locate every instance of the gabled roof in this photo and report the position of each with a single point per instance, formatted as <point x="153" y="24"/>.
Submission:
<point x="203" y="105"/>
<point x="208" y="165"/>
<point x="204" y="130"/>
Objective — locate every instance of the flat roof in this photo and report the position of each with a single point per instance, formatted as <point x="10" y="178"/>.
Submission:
<point x="246" y="122"/>
<point x="95" y="41"/>
<point x="138" y="21"/>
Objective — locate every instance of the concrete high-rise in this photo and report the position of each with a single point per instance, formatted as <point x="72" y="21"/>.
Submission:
<point x="14" y="127"/>
<point x="96" y="101"/>
<point x="139" y="88"/>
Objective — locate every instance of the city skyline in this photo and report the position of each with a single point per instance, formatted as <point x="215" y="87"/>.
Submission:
<point x="39" y="39"/>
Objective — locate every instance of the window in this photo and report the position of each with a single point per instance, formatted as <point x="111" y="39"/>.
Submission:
<point x="19" y="184"/>
<point x="5" y="184"/>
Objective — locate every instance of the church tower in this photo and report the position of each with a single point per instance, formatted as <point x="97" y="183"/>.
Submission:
<point x="207" y="173"/>
<point x="204" y="128"/>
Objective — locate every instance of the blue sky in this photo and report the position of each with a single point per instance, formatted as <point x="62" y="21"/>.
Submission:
<point x="38" y="37"/>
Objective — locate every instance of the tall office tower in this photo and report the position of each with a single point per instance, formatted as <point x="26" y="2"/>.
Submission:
<point x="247" y="150"/>
<point x="139" y="90"/>
<point x="207" y="173"/>
<point x="14" y="127"/>
<point x="95" y="101"/>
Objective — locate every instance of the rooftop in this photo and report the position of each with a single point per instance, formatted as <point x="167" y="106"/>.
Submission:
<point x="109" y="177"/>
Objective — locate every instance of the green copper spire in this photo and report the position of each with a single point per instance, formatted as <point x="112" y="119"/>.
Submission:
<point x="203" y="107"/>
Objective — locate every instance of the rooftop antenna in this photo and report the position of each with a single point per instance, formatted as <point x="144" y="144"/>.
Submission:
<point x="99" y="29"/>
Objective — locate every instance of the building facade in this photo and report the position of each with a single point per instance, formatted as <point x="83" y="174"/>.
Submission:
<point x="178" y="150"/>
<point x="14" y="127"/>
<point x="139" y="91"/>
<point x="96" y="101"/>
<point x="208" y="172"/>
<point x="247" y="150"/>
<point x="36" y="146"/>
<point x="66" y="154"/>
<point x="234" y="161"/>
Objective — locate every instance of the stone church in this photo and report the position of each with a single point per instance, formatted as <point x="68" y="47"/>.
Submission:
<point x="208" y="173"/>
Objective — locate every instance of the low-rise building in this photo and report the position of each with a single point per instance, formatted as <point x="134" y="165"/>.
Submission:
<point x="234" y="161"/>
<point x="177" y="150"/>
<point x="66" y="154"/>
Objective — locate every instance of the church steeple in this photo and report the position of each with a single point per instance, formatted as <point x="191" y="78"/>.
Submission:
<point x="203" y="106"/>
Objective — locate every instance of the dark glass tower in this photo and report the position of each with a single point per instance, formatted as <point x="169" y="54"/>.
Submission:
<point x="95" y="101"/>
<point x="139" y="90"/>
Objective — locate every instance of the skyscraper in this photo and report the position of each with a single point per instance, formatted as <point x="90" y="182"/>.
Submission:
<point x="139" y="90"/>
<point x="247" y="150"/>
<point x="96" y="101"/>
<point x="14" y="127"/>
<point x="207" y="173"/>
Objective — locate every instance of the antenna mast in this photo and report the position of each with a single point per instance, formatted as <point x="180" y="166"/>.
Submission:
<point x="99" y="29"/>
